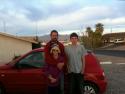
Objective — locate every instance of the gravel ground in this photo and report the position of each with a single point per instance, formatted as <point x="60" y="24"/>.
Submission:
<point x="115" y="74"/>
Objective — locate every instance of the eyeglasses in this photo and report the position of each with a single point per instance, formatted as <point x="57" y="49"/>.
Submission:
<point x="55" y="50"/>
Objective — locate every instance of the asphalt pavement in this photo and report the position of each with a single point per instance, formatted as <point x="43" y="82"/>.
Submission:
<point x="114" y="71"/>
<point x="115" y="74"/>
<point x="117" y="53"/>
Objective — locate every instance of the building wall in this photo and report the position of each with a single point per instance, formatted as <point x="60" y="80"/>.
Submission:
<point x="10" y="47"/>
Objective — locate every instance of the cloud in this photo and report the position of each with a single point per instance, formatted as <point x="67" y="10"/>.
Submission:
<point x="64" y="15"/>
<point x="115" y="21"/>
<point x="38" y="10"/>
<point x="83" y="16"/>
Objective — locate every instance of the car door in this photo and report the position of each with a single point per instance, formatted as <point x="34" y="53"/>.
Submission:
<point x="29" y="75"/>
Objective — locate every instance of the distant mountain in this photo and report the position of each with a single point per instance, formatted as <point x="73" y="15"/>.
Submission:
<point x="46" y="38"/>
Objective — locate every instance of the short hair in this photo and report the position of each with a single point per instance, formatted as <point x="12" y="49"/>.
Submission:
<point x="73" y="35"/>
<point x="53" y="32"/>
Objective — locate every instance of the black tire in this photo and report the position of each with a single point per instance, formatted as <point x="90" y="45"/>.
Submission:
<point x="90" y="88"/>
<point x="2" y="90"/>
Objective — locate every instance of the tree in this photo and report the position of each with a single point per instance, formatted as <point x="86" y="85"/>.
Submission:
<point x="98" y="35"/>
<point x="87" y="40"/>
<point x="99" y="28"/>
<point x="89" y="31"/>
<point x="94" y="39"/>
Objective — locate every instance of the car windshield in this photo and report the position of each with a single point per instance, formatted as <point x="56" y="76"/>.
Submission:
<point x="34" y="59"/>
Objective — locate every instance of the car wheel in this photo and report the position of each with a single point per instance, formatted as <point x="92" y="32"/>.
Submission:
<point x="2" y="91"/>
<point x="90" y="88"/>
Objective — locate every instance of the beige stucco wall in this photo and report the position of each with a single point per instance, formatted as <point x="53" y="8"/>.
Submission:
<point x="11" y="46"/>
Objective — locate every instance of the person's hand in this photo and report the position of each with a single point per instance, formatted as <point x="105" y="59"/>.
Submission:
<point x="53" y="80"/>
<point x="82" y="72"/>
<point x="60" y="66"/>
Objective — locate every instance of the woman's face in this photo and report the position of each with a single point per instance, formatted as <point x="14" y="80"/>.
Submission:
<point x="55" y="52"/>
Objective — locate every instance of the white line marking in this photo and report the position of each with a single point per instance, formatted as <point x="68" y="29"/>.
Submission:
<point x="107" y="62"/>
<point x="119" y="63"/>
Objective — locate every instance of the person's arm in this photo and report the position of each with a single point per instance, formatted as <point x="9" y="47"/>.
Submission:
<point x="83" y="64"/>
<point x="48" y="58"/>
<point x="65" y="69"/>
<point x="63" y="54"/>
<point x="83" y="59"/>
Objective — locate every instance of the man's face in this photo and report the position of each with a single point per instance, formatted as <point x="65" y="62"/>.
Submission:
<point x="74" y="40"/>
<point x="54" y="36"/>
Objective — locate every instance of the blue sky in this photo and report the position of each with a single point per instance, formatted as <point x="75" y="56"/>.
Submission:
<point x="39" y="17"/>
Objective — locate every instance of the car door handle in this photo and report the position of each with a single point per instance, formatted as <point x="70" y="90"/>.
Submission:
<point x="2" y="75"/>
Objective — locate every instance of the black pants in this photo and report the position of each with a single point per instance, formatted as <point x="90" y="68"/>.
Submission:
<point x="54" y="90"/>
<point x="75" y="82"/>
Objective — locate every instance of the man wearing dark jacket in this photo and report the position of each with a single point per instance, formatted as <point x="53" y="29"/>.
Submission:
<point x="48" y="58"/>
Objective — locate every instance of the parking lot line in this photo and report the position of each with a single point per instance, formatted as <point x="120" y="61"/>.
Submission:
<point x="107" y="62"/>
<point x="119" y="63"/>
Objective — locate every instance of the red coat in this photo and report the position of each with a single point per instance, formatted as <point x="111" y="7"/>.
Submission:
<point x="55" y="72"/>
<point x="48" y="57"/>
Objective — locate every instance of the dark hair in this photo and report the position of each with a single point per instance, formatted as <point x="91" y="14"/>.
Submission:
<point x="73" y="35"/>
<point x="53" y="32"/>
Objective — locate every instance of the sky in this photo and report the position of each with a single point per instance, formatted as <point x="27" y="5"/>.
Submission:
<point x="39" y="17"/>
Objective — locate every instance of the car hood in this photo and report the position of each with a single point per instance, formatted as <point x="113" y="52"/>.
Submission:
<point x="92" y="64"/>
<point x="5" y="66"/>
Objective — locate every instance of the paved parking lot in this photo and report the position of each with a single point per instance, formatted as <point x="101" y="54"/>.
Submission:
<point x="115" y="73"/>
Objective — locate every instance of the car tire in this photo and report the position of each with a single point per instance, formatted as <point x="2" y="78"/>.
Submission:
<point x="2" y="90"/>
<point x="90" y="88"/>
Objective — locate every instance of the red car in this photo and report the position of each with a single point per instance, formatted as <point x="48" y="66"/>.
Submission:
<point x="26" y="74"/>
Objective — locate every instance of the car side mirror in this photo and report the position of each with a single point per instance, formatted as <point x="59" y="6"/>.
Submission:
<point x="89" y="51"/>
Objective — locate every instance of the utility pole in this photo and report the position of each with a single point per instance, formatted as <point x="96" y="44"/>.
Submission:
<point x="111" y="29"/>
<point x="4" y="26"/>
<point x="36" y="31"/>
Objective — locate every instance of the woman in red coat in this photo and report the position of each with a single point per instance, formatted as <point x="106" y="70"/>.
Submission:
<point x="54" y="73"/>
